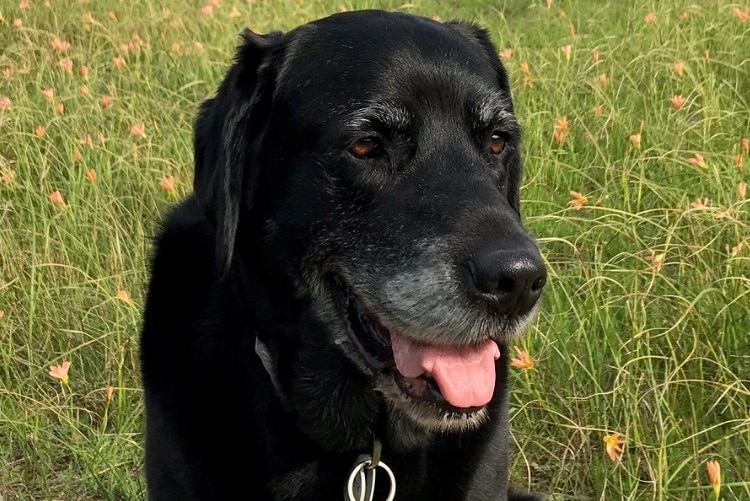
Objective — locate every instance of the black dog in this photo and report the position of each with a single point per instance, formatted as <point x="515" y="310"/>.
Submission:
<point x="347" y="275"/>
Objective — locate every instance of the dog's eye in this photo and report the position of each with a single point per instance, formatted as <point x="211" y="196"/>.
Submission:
<point x="497" y="144"/>
<point x="367" y="147"/>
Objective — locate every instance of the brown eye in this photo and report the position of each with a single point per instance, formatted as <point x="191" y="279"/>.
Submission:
<point x="497" y="144"/>
<point x="365" y="148"/>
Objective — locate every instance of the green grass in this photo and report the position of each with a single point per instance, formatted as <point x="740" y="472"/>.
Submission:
<point x="645" y="327"/>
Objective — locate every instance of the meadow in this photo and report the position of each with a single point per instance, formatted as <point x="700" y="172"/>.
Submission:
<point x="636" y="119"/>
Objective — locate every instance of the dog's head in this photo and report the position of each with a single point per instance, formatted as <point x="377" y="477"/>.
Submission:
<point x="368" y="163"/>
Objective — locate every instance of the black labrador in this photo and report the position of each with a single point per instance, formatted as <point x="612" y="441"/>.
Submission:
<point x="337" y="296"/>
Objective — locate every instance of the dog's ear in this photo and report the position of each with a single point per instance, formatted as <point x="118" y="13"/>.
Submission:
<point x="227" y="132"/>
<point x="481" y="37"/>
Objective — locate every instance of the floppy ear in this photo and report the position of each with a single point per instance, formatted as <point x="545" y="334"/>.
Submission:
<point x="481" y="37"/>
<point x="227" y="132"/>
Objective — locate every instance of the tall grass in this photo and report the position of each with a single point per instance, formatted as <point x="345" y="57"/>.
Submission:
<point x="645" y="326"/>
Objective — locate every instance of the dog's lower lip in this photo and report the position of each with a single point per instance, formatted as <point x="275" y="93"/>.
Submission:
<point x="374" y="346"/>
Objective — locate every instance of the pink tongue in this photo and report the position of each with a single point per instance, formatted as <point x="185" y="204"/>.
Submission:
<point x="465" y="375"/>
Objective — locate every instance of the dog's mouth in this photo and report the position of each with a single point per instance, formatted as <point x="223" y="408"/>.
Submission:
<point x="454" y="380"/>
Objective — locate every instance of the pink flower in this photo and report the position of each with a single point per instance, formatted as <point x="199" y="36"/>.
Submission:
<point x="566" y="51"/>
<point x="138" y="130"/>
<point x="697" y="161"/>
<point x="60" y="372"/>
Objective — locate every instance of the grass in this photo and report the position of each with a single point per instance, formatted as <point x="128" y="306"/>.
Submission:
<point x="646" y="320"/>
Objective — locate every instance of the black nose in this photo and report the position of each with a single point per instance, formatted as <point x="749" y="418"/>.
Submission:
<point x="512" y="277"/>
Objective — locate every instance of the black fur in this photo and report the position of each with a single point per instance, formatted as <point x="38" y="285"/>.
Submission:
<point x="296" y="251"/>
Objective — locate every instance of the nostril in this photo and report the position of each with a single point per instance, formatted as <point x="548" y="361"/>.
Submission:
<point x="538" y="284"/>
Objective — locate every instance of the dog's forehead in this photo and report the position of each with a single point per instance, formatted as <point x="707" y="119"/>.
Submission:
<point x="362" y="57"/>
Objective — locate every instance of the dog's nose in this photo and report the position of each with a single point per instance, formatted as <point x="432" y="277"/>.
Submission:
<point x="513" y="277"/>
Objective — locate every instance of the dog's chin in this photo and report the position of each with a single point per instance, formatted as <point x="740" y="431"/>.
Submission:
<point x="417" y="398"/>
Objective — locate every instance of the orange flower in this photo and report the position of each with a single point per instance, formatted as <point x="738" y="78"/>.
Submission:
<point x="2" y="314"/>
<point x="57" y="199"/>
<point x="697" y="161"/>
<point x="86" y="141"/>
<point x="700" y="204"/>
<point x="743" y="16"/>
<point x="7" y="176"/>
<point x="138" y="130"/>
<point x="677" y="101"/>
<point x="48" y="94"/>
<point x="111" y="16"/>
<point x="549" y="3"/>
<point x="77" y="156"/>
<point x="105" y="102"/>
<point x="109" y="393"/>
<point x="198" y="47"/>
<point x="738" y="162"/>
<point x="650" y="18"/>
<point x="84" y="90"/>
<point x="603" y="78"/>
<point x="578" y="200"/>
<point x="100" y="139"/>
<point x="714" y="475"/>
<point x="23" y="4"/>
<point x="505" y="54"/>
<point x="561" y="124"/>
<point x="5" y="103"/>
<point x="684" y="16"/>
<point x="84" y="71"/>
<point x="59" y="108"/>
<point x="40" y="131"/>
<point x="566" y="51"/>
<point x="745" y="145"/>
<point x="558" y="136"/>
<point x="523" y="361"/>
<point x="207" y="10"/>
<point x="678" y="69"/>
<point x="91" y="175"/>
<point x="742" y="189"/>
<point x="66" y="65"/>
<point x="707" y="56"/>
<point x="175" y="48"/>
<point x="118" y="62"/>
<point x="525" y="67"/>
<point x="572" y="30"/>
<point x="167" y="184"/>
<point x="124" y="298"/>
<point x="17" y="23"/>
<point x="59" y="45"/>
<point x="60" y="372"/>
<point x="597" y="111"/>
<point x="595" y="56"/>
<point x="613" y="445"/>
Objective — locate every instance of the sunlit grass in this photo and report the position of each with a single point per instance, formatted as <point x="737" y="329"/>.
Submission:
<point x="645" y="327"/>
